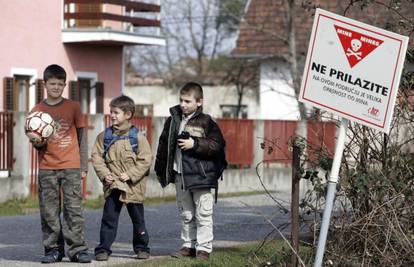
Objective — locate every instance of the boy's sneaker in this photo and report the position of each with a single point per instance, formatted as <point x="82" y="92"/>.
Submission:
<point x="202" y="255"/>
<point x="185" y="252"/>
<point x="143" y="255"/>
<point x="102" y="256"/>
<point x="52" y="257"/>
<point x="81" y="257"/>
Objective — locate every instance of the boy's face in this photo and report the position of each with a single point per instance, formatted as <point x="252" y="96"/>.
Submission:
<point x="119" y="117"/>
<point x="189" y="104"/>
<point x="54" y="88"/>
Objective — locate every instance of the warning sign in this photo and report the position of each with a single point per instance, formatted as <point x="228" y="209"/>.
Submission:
<point x="353" y="69"/>
<point x="356" y="45"/>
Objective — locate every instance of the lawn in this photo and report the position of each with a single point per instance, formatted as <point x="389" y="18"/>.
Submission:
<point x="273" y="253"/>
<point x="30" y="205"/>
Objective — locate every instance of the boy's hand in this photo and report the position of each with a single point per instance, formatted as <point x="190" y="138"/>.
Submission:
<point x="38" y="144"/>
<point x="124" y="177"/>
<point x="109" y="179"/>
<point x="186" y="144"/>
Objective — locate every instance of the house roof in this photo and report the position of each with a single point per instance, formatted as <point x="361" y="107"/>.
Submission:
<point x="265" y="25"/>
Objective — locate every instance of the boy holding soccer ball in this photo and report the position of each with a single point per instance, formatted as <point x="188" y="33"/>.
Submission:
<point x="62" y="162"/>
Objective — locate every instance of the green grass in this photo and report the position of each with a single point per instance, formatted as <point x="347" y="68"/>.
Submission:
<point x="273" y="253"/>
<point x="19" y="206"/>
<point x="30" y="205"/>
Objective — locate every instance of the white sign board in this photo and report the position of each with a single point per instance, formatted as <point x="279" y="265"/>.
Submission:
<point x="353" y="69"/>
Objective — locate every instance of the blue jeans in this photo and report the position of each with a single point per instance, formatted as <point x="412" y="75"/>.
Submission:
<point x="109" y="224"/>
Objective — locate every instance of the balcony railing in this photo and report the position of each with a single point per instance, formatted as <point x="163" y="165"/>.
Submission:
<point x="117" y="22"/>
<point x="79" y="10"/>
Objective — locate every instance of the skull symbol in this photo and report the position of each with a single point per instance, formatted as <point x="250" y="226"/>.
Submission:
<point x="355" y="45"/>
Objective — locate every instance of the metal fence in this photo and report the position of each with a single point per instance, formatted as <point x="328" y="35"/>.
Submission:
<point x="277" y="134"/>
<point x="6" y="141"/>
<point x="144" y="125"/>
<point x="238" y="133"/>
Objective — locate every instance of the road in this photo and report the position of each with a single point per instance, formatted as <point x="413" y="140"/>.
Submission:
<point x="237" y="220"/>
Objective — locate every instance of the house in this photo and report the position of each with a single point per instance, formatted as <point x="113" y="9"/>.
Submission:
<point x="263" y="36"/>
<point x="86" y="37"/>
<point x="153" y="97"/>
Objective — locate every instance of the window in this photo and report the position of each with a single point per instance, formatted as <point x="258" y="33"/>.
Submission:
<point x="89" y="93"/>
<point x="21" y="91"/>
<point x="230" y="111"/>
<point x="85" y="91"/>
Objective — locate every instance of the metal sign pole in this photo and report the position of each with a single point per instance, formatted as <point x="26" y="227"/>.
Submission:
<point x="330" y="195"/>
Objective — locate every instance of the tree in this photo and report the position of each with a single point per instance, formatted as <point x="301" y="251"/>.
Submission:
<point x="196" y="32"/>
<point x="241" y="73"/>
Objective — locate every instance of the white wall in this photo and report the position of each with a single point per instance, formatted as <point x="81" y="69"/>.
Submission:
<point x="163" y="98"/>
<point x="277" y="98"/>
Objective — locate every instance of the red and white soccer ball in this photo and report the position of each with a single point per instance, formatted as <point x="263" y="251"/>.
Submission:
<point x="39" y="126"/>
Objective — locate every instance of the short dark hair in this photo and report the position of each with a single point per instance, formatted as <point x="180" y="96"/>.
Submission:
<point x="192" y="87"/>
<point x="54" y="71"/>
<point x="124" y="103"/>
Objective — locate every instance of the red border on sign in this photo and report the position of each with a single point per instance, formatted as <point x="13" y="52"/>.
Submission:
<point x="339" y="111"/>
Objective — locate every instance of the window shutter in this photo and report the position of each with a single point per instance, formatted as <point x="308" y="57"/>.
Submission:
<point x="39" y="94"/>
<point x="99" y="87"/>
<point x="74" y="92"/>
<point x="8" y="93"/>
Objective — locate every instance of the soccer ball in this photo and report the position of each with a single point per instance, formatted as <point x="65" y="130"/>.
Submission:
<point x="39" y="126"/>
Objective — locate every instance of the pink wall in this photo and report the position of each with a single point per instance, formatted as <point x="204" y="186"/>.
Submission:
<point x="105" y="60"/>
<point x="30" y="38"/>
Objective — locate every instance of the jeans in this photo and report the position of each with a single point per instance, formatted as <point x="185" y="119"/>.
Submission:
<point x="109" y="224"/>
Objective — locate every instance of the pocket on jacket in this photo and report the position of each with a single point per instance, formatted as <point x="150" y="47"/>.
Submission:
<point x="128" y="153"/>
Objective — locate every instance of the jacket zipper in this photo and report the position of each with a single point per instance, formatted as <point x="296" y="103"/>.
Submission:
<point x="182" y="171"/>
<point x="202" y="168"/>
<point x="168" y="155"/>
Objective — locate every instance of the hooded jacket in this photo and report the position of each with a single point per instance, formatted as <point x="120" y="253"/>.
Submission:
<point x="204" y="163"/>
<point x="121" y="158"/>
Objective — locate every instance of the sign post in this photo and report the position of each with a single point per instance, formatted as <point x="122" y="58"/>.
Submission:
<point x="330" y="194"/>
<point x="352" y="70"/>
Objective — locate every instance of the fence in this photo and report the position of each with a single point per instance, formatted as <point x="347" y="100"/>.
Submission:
<point x="144" y="125"/>
<point x="240" y="135"/>
<point x="320" y="135"/>
<point x="6" y="141"/>
<point x="277" y="134"/>
<point x="239" y="140"/>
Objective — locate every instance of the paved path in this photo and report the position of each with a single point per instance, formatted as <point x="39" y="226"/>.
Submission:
<point x="236" y="220"/>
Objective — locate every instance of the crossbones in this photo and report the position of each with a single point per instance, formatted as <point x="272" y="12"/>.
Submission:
<point x="352" y="53"/>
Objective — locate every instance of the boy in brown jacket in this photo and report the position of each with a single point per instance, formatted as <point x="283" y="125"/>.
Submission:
<point x="121" y="158"/>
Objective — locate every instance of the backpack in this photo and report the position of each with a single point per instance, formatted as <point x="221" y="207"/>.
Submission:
<point x="110" y="139"/>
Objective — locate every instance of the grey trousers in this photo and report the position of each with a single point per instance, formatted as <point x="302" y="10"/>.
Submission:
<point x="56" y="231"/>
<point x="196" y="212"/>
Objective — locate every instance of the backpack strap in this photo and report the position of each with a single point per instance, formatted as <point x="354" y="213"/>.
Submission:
<point x="133" y="132"/>
<point x="110" y="139"/>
